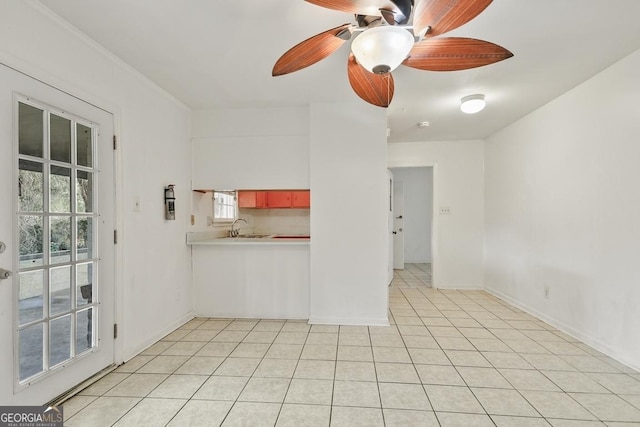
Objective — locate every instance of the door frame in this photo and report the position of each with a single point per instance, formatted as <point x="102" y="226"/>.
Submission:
<point x="41" y="76"/>
<point x="397" y="237"/>
<point x="435" y="257"/>
<point x="390" y="273"/>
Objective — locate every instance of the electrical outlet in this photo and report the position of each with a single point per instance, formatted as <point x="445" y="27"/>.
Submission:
<point x="547" y="289"/>
<point x="445" y="210"/>
<point x="136" y="204"/>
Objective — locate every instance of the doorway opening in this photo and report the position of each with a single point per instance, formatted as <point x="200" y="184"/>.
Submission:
<point x="58" y="237"/>
<point x="413" y="220"/>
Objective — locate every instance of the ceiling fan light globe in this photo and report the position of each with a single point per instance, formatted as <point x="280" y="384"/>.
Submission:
<point x="472" y="104"/>
<point x="382" y="49"/>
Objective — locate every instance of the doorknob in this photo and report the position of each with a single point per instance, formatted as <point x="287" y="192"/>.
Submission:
<point x="4" y="274"/>
<point x="395" y="232"/>
<point x="399" y="217"/>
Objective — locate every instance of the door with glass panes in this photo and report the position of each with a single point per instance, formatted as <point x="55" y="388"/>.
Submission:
<point x="57" y="224"/>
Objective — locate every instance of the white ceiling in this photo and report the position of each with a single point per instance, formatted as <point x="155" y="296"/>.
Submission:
<point x="214" y="54"/>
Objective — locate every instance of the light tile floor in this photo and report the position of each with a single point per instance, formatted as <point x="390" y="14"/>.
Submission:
<point x="450" y="358"/>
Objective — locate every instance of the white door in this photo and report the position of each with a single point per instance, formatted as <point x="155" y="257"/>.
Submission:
<point x="57" y="221"/>
<point x="398" y="224"/>
<point x="390" y="228"/>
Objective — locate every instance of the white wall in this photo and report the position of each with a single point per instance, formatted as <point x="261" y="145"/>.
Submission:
<point x="153" y="130"/>
<point x="250" y="122"/>
<point x="418" y="211"/>
<point x="562" y="210"/>
<point x="458" y="176"/>
<point x="251" y="148"/>
<point x="349" y="209"/>
<point x="336" y="150"/>
<point x="251" y="162"/>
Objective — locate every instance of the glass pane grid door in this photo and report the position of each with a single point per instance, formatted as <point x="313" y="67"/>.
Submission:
<point x="57" y="219"/>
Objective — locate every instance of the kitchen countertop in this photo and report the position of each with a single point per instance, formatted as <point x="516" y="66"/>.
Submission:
<point x="205" y="238"/>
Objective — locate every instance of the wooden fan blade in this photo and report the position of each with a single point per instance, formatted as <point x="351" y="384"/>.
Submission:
<point x="376" y="89"/>
<point x="454" y="53"/>
<point x="357" y="7"/>
<point x="309" y="52"/>
<point x="446" y="15"/>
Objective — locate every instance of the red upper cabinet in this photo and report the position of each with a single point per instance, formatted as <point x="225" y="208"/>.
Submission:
<point x="246" y="199"/>
<point x="274" y="199"/>
<point x="261" y="199"/>
<point x="251" y="199"/>
<point x="279" y="199"/>
<point x="301" y="199"/>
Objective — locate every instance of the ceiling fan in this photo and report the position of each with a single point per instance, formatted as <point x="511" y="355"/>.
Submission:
<point x="389" y="33"/>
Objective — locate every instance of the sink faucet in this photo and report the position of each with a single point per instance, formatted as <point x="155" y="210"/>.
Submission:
<point x="233" y="232"/>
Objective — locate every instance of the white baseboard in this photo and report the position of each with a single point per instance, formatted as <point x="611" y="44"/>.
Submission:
<point x="585" y="338"/>
<point x="128" y="355"/>
<point x="350" y="321"/>
<point x="270" y="316"/>
<point x="458" y="287"/>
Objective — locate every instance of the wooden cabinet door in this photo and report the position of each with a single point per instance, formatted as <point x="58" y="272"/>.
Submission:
<point x="261" y="199"/>
<point x="274" y="199"/>
<point x="279" y="199"/>
<point x="301" y="199"/>
<point x="247" y="199"/>
<point x="252" y="199"/>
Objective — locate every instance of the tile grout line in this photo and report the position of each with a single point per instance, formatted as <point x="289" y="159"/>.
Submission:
<point x="490" y="313"/>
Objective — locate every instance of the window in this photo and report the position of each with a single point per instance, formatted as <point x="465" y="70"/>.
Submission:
<point x="57" y="220"/>
<point x="225" y="206"/>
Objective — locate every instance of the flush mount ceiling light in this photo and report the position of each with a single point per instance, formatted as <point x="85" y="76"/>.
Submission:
<point x="381" y="50"/>
<point x="472" y="104"/>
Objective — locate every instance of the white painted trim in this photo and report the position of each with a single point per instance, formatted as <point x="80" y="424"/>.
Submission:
<point x="231" y="315"/>
<point x="103" y="51"/>
<point x="118" y="298"/>
<point x="357" y="321"/>
<point x="45" y="77"/>
<point x="458" y="287"/>
<point x="158" y="336"/>
<point x="587" y="339"/>
<point x="435" y="227"/>
<point x="435" y="255"/>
